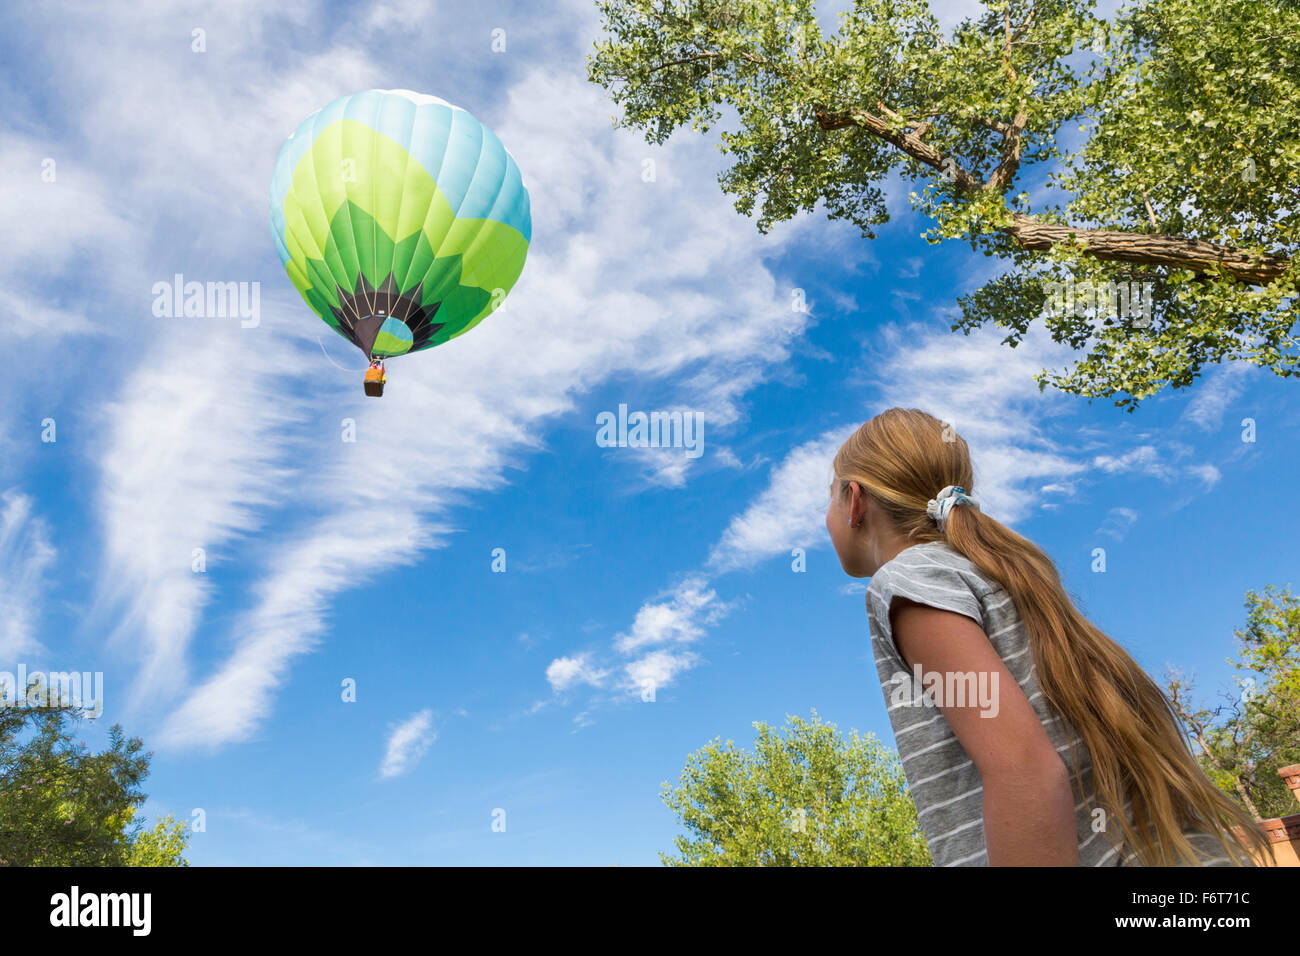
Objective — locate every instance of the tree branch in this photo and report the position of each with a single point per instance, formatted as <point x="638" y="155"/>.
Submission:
<point x="1028" y="22"/>
<point x="1006" y="170"/>
<point x="709" y="55"/>
<point x="1146" y="249"/>
<point x="683" y="60"/>
<point x="909" y="143"/>
<point x="1237" y="784"/>
<point x="1151" y="213"/>
<point x="1104" y="244"/>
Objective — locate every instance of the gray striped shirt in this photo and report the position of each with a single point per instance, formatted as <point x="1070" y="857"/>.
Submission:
<point x="942" y="779"/>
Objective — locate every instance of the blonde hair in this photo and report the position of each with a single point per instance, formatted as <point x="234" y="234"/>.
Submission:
<point x="903" y="458"/>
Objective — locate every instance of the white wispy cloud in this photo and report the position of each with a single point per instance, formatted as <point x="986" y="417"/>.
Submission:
<point x="789" y="513"/>
<point x="1216" y="394"/>
<point x="677" y="618"/>
<point x="192" y="451"/>
<point x="63" y="207"/>
<point x="288" y="618"/>
<point x="564" y="673"/>
<point x="26" y="556"/>
<point x="1118" y="522"/>
<point x="1159" y="463"/>
<point x="1145" y="459"/>
<point x="1059" y="488"/>
<point x="70" y="228"/>
<point x="407" y="743"/>
<point x="681" y="618"/>
<point x="655" y="671"/>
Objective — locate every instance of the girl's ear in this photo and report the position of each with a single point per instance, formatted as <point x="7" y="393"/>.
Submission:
<point x="858" y="503"/>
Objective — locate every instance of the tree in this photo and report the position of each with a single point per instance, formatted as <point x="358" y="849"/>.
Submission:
<point x="803" y="798"/>
<point x="1175" y="246"/>
<point x="62" y="805"/>
<point x="164" y="845"/>
<point x="1242" y="743"/>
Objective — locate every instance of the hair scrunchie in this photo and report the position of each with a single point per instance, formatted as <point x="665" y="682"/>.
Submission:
<point x="942" y="503"/>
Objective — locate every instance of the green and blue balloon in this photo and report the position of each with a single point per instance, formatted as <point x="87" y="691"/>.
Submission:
<point x="400" y="218"/>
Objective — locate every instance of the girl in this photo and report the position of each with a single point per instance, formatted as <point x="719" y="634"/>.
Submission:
<point x="993" y="678"/>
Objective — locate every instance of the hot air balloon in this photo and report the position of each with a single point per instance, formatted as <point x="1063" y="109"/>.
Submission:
<point x="401" y="219"/>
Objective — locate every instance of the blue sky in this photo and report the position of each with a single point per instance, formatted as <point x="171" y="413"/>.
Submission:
<point x="373" y="560"/>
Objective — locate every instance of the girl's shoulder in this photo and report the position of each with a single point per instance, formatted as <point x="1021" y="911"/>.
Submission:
<point x="932" y="573"/>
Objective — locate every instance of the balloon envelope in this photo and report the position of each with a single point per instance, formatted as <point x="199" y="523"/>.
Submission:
<point x="400" y="218"/>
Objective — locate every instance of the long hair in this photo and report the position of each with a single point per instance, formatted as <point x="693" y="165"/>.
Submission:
<point x="903" y="458"/>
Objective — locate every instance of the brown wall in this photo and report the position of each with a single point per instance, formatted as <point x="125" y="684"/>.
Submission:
<point x="1284" y="832"/>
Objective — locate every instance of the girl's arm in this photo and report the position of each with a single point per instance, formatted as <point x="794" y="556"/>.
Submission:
<point x="1028" y="805"/>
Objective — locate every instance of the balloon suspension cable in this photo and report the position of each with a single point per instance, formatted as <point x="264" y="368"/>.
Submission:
<point x="331" y="360"/>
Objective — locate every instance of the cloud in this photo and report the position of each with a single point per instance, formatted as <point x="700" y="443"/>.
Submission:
<point x="25" y="557"/>
<point x="658" y="669"/>
<point x="1118" y="522"/>
<point x="1058" y="488"/>
<point x="681" y="619"/>
<point x="408" y="742"/>
<point x="1212" y="399"/>
<point x="62" y="207"/>
<point x="1144" y="459"/>
<point x="398" y="16"/>
<point x="789" y="513"/>
<point x="911" y="267"/>
<point x="564" y="673"/>
<point x="682" y="616"/>
<point x="191" y="451"/>
<point x="287" y="620"/>
<point x="1154" y="463"/>
<point x="669" y="467"/>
